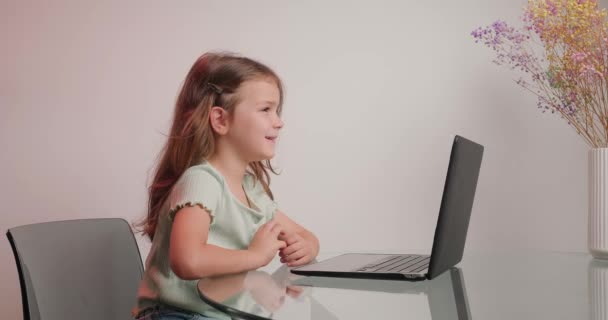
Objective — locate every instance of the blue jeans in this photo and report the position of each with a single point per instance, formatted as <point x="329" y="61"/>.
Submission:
<point x="165" y="312"/>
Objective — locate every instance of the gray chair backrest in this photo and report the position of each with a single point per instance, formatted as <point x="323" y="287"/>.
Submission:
<point x="77" y="269"/>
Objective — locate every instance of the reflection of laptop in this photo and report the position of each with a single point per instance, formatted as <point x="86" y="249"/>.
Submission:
<point x="446" y="294"/>
<point x="450" y="232"/>
<point x="445" y="304"/>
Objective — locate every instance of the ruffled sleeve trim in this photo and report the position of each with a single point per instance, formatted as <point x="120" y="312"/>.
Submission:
<point x="178" y="207"/>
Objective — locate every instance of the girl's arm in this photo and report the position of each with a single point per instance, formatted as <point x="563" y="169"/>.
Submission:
<point x="192" y="258"/>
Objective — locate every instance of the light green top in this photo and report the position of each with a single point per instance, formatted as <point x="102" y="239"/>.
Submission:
<point x="233" y="225"/>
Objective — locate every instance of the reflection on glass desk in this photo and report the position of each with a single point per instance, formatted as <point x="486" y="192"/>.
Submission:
<point x="540" y="285"/>
<point x="282" y="295"/>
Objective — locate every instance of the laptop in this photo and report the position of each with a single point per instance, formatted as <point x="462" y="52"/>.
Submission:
<point x="450" y="232"/>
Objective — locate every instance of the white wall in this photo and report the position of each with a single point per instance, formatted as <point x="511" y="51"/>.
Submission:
<point x="373" y="90"/>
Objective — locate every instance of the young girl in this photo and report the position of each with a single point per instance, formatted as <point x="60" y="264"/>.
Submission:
<point x="211" y="211"/>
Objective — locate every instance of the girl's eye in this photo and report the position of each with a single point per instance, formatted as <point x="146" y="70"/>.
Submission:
<point x="266" y="109"/>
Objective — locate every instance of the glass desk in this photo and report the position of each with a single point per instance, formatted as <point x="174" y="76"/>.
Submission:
<point x="543" y="285"/>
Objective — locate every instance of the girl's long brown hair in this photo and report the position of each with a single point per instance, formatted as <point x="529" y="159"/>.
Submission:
<point x="213" y="80"/>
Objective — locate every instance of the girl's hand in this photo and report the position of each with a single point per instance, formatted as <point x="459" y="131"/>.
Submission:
<point x="266" y="243"/>
<point x="299" y="251"/>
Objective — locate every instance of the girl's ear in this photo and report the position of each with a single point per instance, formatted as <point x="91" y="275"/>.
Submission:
<point x="220" y="120"/>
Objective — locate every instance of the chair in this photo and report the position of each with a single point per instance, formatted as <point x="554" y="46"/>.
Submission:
<point x="77" y="269"/>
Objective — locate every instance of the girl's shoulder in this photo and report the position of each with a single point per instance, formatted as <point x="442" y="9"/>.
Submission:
<point x="198" y="185"/>
<point x="203" y="172"/>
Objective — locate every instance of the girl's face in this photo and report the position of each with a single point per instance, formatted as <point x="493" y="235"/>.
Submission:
<point x="255" y="124"/>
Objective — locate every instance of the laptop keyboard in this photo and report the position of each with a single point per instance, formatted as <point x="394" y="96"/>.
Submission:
<point x="398" y="264"/>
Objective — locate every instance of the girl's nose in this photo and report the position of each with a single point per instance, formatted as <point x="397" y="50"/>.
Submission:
<point x="279" y="123"/>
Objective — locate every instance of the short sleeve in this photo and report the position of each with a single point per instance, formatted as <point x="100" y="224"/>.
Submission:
<point x="196" y="187"/>
<point x="267" y="205"/>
